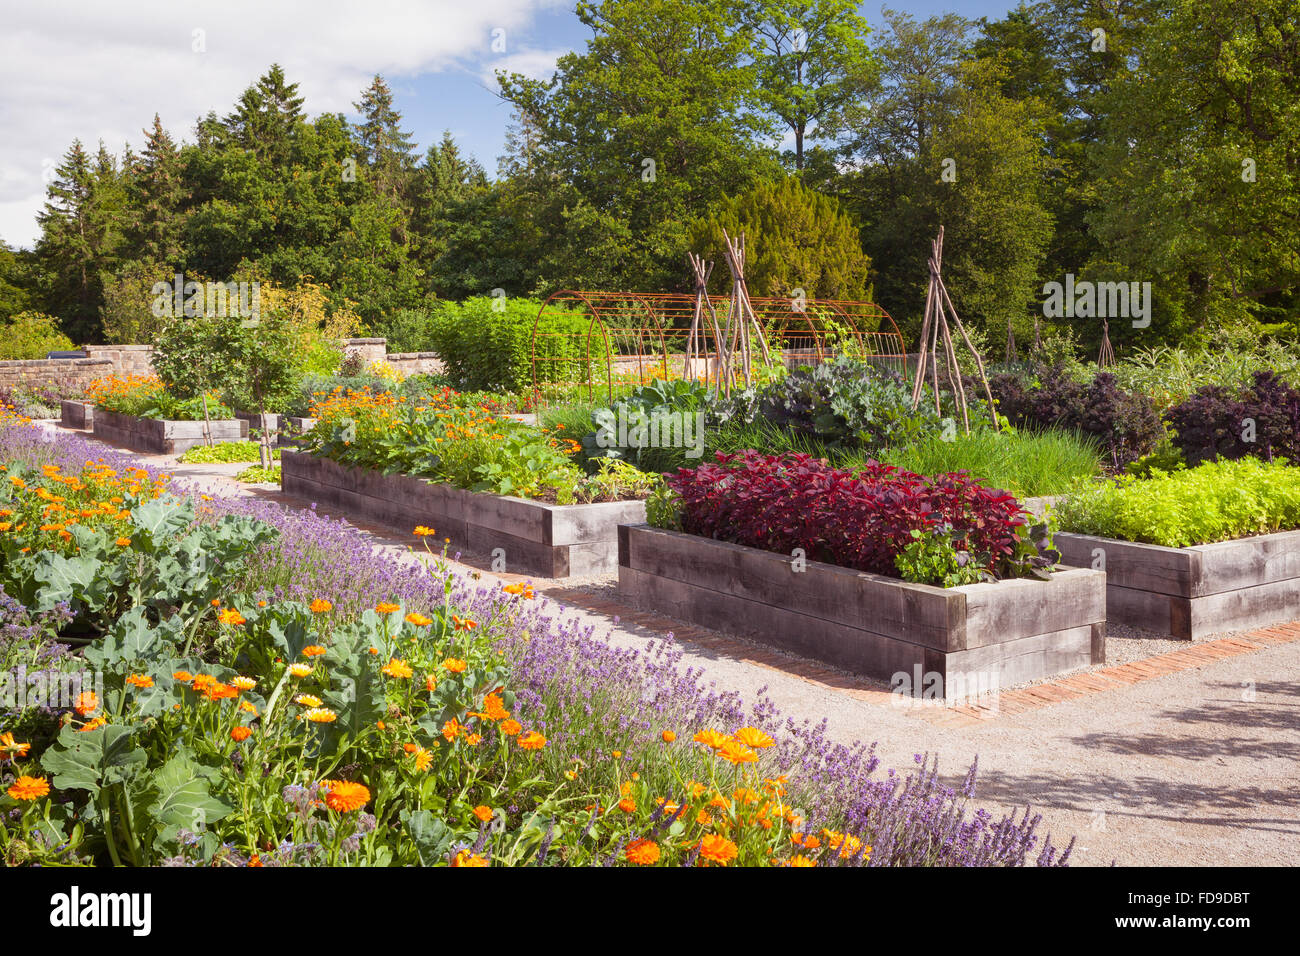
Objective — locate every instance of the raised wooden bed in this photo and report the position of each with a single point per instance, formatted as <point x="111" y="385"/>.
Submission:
<point x="76" y="414"/>
<point x="1193" y="592"/>
<point x="160" y="436"/>
<point x="977" y="634"/>
<point x="554" y="541"/>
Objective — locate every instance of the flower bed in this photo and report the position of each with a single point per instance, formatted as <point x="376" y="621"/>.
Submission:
<point x="162" y="436"/>
<point x="303" y="702"/>
<point x="555" y="541"/>
<point x="976" y="635"/>
<point x="1193" y="552"/>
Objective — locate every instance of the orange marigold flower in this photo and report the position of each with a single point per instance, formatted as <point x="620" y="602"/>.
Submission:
<point x="800" y="860"/>
<point x="484" y="813"/>
<point x="241" y="733"/>
<point x="313" y="650"/>
<point x="711" y="738"/>
<point x="230" y="616"/>
<point x="183" y="676"/>
<point x="511" y="727"/>
<point x="423" y="532"/>
<point x="669" y="736"/>
<point x="627" y="804"/>
<point x="123" y="542"/>
<point x="92" y="725"/>
<point x="11" y="749"/>
<point x="718" y="849"/>
<point x="419" y="620"/>
<point x="383" y="607"/>
<point x="753" y="737"/>
<point x="243" y="683"/>
<point x="642" y="852"/>
<point x="423" y="760"/>
<point x="321" y="715"/>
<point x="455" y="665"/>
<point x="450" y="729"/>
<point x="736" y="753"/>
<point x="29" y="788"/>
<point x="307" y="700"/>
<point x="532" y="741"/>
<point x="140" y="680"/>
<point x="300" y="670"/>
<point x="321" y="606"/>
<point x="465" y="858"/>
<point x="345" y="797"/>
<point x="87" y="703"/>
<point x="398" y="669"/>
<point x="494" y="707"/>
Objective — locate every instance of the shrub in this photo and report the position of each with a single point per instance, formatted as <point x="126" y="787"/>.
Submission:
<point x="253" y="366"/>
<point x="1262" y="419"/>
<point x="487" y="344"/>
<point x="1125" y="425"/>
<point x="31" y="335"/>
<point x="1215" y="501"/>
<point x="654" y="417"/>
<point x="847" y="402"/>
<point x="856" y="518"/>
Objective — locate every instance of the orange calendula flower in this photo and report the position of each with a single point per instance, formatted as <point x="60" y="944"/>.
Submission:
<point x="313" y="650"/>
<point x="241" y="733"/>
<point x="710" y="738"/>
<point x="183" y="677"/>
<point x="669" y="736"/>
<point x="398" y="669"/>
<point x="307" y="700"/>
<point x="450" y="729"/>
<point x="494" y="707"/>
<point x="419" y="620"/>
<point x="11" y="749"/>
<point x="140" y="680"/>
<point x="800" y="860"/>
<point x="642" y="852"/>
<point x="423" y="532"/>
<point x="230" y="616"/>
<point x="627" y="804"/>
<point x="92" y="725"/>
<point x="753" y="737"/>
<point x="718" y="849"/>
<point x="123" y="542"/>
<point x="87" y="703"/>
<point x="736" y="753"/>
<point x="383" y="607"/>
<point x="321" y="606"/>
<point x="345" y="797"/>
<point x="423" y="759"/>
<point x="465" y="858"/>
<point x="300" y="670"/>
<point x="532" y="741"/>
<point x="29" y="788"/>
<point x="321" y="715"/>
<point x="484" y="813"/>
<point x="243" y="683"/>
<point x="455" y="665"/>
<point x="511" y="727"/>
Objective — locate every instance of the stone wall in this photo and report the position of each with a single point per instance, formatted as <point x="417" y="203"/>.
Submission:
<point x="126" y="359"/>
<point x="411" y="363"/>
<point x="370" y="350"/>
<point x="67" y="374"/>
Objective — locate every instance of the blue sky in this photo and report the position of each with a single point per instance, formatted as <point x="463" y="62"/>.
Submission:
<point x="459" y="99"/>
<point x="99" y="71"/>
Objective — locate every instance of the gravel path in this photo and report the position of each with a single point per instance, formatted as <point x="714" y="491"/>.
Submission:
<point x="1199" y="767"/>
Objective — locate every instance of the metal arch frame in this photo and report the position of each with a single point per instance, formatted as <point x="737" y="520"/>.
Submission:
<point x="667" y="316"/>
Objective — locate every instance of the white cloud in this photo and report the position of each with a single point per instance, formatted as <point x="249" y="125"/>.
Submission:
<point x="534" y="64"/>
<point x="94" y="70"/>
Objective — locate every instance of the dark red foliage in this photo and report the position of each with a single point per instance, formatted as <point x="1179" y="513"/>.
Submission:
<point x="854" y="518"/>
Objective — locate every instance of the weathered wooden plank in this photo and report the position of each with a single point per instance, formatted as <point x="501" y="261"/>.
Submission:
<point x="1026" y="658"/>
<point x="1147" y="567"/>
<point x="1271" y="603"/>
<point x="916" y="612"/>
<point x="1247" y="562"/>
<point x="837" y="644"/>
<point x="1018" y="608"/>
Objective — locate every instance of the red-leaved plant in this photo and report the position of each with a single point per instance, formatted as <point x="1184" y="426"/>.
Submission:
<point x="856" y="518"/>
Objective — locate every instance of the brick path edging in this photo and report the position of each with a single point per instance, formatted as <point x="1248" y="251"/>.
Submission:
<point x="1008" y="702"/>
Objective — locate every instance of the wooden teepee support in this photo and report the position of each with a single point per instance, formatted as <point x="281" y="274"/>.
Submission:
<point x="1105" y="357"/>
<point x="934" y="330"/>
<point x="742" y="322"/>
<point x="701" y="270"/>
<point x="1012" y="355"/>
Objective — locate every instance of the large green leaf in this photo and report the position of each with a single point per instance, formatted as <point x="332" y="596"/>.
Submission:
<point x="162" y="518"/>
<point x="130" y="639"/>
<point x="182" y="798"/>
<point x="89" y="760"/>
<point x="66" y="579"/>
<point x="430" y="834"/>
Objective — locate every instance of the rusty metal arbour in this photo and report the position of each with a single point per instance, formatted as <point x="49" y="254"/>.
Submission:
<point x="610" y="339"/>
